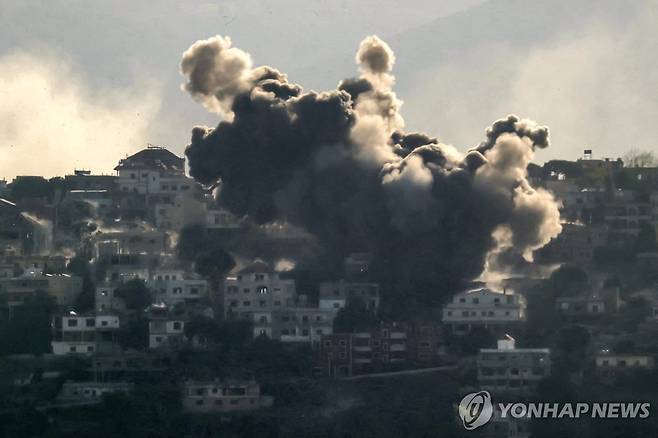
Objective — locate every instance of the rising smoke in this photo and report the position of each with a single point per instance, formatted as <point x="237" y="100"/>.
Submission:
<point x="339" y="164"/>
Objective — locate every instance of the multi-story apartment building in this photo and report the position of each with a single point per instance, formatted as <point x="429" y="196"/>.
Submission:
<point x="153" y="171"/>
<point x="43" y="263"/>
<point x="511" y="369"/>
<point x="63" y="288"/>
<point x="85" y="334"/>
<point x="166" y="328"/>
<point x="294" y="324"/>
<point x="257" y="288"/>
<point x="216" y="397"/>
<point x="141" y="240"/>
<point x="627" y="218"/>
<point x="173" y="286"/>
<point x="388" y="345"/>
<point x="107" y="300"/>
<point x="484" y="308"/>
<point x="336" y="294"/>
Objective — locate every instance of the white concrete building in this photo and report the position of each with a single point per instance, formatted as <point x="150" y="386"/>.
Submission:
<point x="484" y="308"/>
<point x="85" y="334"/>
<point x="257" y="288"/>
<point x="153" y="171"/>
<point x="508" y="368"/>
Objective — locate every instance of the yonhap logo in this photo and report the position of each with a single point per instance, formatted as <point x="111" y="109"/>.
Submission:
<point x="475" y="409"/>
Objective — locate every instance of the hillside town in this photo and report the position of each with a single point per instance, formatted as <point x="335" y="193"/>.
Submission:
<point x="141" y="293"/>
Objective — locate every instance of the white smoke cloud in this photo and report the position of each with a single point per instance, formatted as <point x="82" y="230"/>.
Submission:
<point x="52" y="122"/>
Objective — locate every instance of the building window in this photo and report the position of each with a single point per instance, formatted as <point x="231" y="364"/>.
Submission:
<point x="72" y="323"/>
<point x="177" y="325"/>
<point x="90" y="322"/>
<point x="262" y="290"/>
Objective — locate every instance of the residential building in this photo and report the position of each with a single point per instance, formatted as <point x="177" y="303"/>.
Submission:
<point x="85" y="334"/>
<point x="153" y="170"/>
<point x="511" y="369"/>
<point x="90" y="392"/>
<point x="602" y="301"/>
<point x="223" y="397"/>
<point x="177" y="212"/>
<point x="294" y="324"/>
<point x="43" y="263"/>
<point x="106" y="298"/>
<point x="335" y="295"/>
<point x="221" y="219"/>
<point x="177" y="286"/>
<point x="609" y="366"/>
<point x="140" y="240"/>
<point x="257" y="288"/>
<point x="484" y="308"/>
<point x="627" y="218"/>
<point x="166" y="328"/>
<point x="390" y="345"/>
<point x="102" y="201"/>
<point x="63" y="288"/>
<point x="83" y="180"/>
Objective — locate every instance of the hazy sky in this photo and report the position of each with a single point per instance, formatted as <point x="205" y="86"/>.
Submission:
<point x="82" y="82"/>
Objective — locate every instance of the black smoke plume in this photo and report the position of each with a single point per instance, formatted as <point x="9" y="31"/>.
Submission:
<point x="339" y="164"/>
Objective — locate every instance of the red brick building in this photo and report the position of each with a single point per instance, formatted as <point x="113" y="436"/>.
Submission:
<point x="391" y="345"/>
